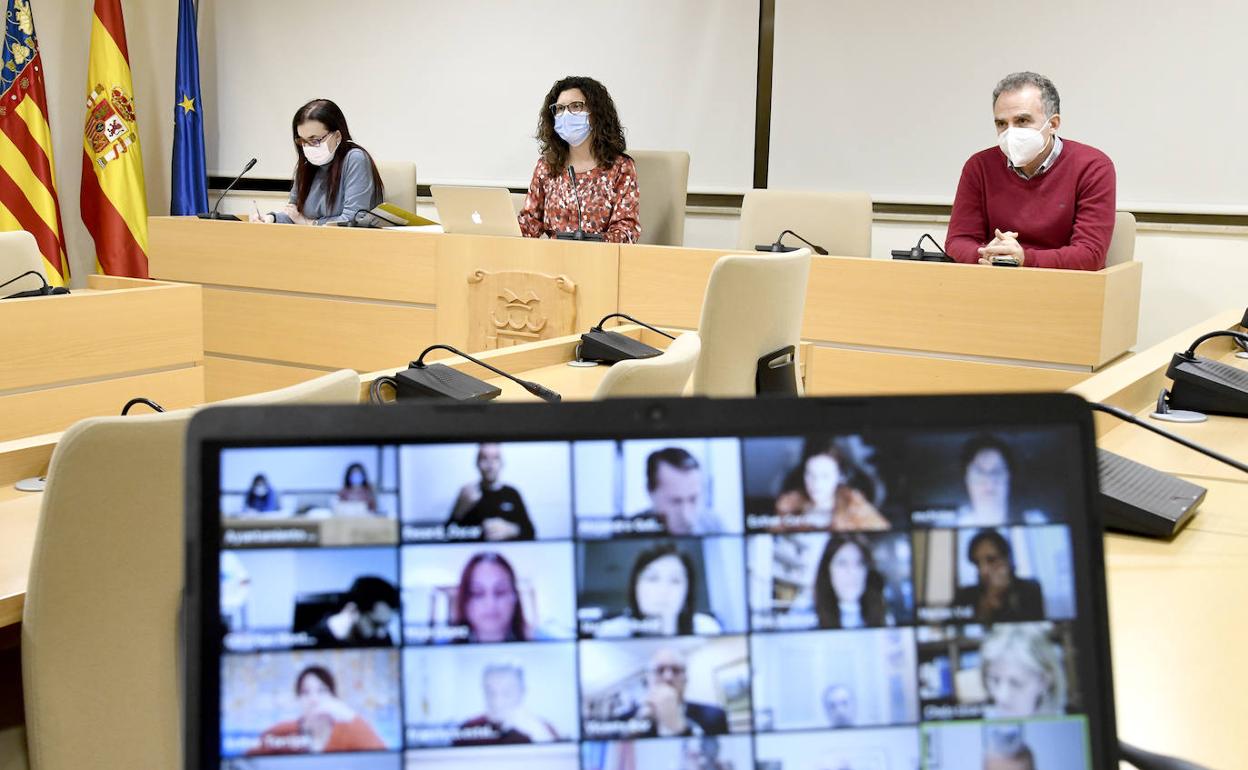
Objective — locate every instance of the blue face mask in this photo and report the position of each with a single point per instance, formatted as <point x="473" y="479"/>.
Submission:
<point x="573" y="129"/>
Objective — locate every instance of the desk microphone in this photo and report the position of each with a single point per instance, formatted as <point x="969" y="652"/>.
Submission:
<point x="1208" y="386"/>
<point x="919" y="255"/>
<point x="608" y="347"/>
<point x="780" y="248"/>
<point x="43" y="291"/>
<point x="421" y="380"/>
<point x="580" y="234"/>
<point x="229" y="217"/>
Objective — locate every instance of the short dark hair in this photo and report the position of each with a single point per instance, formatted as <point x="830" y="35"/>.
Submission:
<point x="673" y="456"/>
<point x="1018" y="80"/>
<point x="684" y="621"/>
<point x="995" y="538"/>
<point x="370" y="590"/>
<point x="320" y="672"/>
<point x="607" y="137"/>
<point x="984" y="441"/>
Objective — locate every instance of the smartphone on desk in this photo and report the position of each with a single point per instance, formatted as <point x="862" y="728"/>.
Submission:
<point x="1005" y="261"/>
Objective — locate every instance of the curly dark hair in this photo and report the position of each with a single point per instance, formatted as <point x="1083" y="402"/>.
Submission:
<point x="606" y="134"/>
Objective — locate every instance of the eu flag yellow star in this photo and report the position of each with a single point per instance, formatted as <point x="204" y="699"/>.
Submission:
<point x="187" y="103"/>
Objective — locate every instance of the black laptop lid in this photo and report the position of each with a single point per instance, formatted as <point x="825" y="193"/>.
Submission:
<point x="878" y="583"/>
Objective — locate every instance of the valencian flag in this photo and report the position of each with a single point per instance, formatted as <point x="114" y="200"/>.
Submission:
<point x="114" y="198"/>
<point x="190" y="178"/>
<point x="27" y="176"/>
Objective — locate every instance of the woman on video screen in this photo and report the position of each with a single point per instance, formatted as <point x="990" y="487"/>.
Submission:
<point x="821" y="492"/>
<point x="325" y="723"/>
<point x="260" y="496"/>
<point x="849" y="591"/>
<point x="987" y="467"/>
<point x="662" y="589"/>
<point x="488" y="602"/>
<point x="357" y="489"/>
<point x="1022" y="670"/>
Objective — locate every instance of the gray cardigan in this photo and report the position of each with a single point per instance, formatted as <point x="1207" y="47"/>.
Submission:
<point x="355" y="191"/>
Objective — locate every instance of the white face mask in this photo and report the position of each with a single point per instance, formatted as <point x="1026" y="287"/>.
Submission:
<point x="322" y="153"/>
<point x="1021" y="145"/>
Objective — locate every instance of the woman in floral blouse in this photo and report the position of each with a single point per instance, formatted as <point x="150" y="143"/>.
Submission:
<point x="579" y="128"/>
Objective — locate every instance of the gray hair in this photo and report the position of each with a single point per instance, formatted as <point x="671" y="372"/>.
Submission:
<point x="506" y="667"/>
<point x="1018" y="80"/>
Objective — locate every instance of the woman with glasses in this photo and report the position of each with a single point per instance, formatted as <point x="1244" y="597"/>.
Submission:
<point x="987" y="465"/>
<point x="584" y="181"/>
<point x="334" y="176"/>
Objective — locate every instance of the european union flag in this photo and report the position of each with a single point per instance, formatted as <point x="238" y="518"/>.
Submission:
<point x="190" y="179"/>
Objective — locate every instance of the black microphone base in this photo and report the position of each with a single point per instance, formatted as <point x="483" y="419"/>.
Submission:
<point x="926" y="256"/>
<point x="580" y="235"/>
<point x="612" y="347"/>
<point x="774" y="248"/>
<point x="47" y="291"/>
<point x="441" y="381"/>
<point x="1205" y="385"/>
<point x="219" y="216"/>
<point x="1144" y="501"/>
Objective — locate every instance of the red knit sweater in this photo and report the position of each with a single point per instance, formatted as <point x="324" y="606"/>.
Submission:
<point x="1064" y="217"/>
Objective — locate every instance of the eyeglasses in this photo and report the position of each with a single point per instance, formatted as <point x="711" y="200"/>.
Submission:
<point x="668" y="669"/>
<point x="316" y="142"/>
<point x="576" y="108"/>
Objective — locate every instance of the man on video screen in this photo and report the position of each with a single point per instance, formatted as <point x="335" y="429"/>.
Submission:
<point x="507" y="719"/>
<point x="363" y="617"/>
<point x="674" y="481"/>
<point x="665" y="706"/>
<point x="497" y="508"/>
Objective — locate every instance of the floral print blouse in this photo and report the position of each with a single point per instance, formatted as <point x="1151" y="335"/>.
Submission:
<point x="609" y="202"/>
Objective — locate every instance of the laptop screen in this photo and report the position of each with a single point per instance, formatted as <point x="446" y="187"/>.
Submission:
<point x="880" y="597"/>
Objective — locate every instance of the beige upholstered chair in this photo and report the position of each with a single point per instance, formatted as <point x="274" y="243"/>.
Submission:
<point x="838" y="221"/>
<point x="399" y="177"/>
<point x="19" y="252"/>
<point x="664" y="375"/>
<point x="753" y="306"/>
<point x="100" y="650"/>
<point x="1122" y="244"/>
<point x="663" y="182"/>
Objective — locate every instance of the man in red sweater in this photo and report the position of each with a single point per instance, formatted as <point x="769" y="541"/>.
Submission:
<point x="1035" y="198"/>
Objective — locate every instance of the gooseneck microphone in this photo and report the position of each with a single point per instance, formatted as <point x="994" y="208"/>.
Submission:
<point x="1126" y="416"/>
<point x="579" y="234"/>
<point x="421" y="380"/>
<point x="598" y="326"/>
<point x="214" y="214"/>
<point x="780" y="248"/>
<point x="1146" y="760"/>
<point x="43" y="291"/>
<point x="917" y="253"/>
<point x="155" y="407"/>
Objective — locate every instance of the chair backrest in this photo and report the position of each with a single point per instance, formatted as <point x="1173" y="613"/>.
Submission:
<point x="664" y="375"/>
<point x="663" y="183"/>
<point x="838" y="221"/>
<point x="399" y="177"/>
<point x="19" y="252"/>
<point x="1122" y="244"/>
<point x="100" y="641"/>
<point x="753" y="306"/>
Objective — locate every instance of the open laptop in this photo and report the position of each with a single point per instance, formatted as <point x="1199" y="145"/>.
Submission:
<point x="476" y="210"/>
<point x="872" y="583"/>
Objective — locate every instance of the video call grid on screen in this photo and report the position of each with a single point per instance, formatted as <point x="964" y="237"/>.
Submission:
<point x="648" y="578"/>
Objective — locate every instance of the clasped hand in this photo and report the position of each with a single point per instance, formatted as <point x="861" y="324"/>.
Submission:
<point x="1004" y="245"/>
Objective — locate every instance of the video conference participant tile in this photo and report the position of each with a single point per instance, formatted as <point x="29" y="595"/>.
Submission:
<point x="992" y="478"/>
<point x="486" y="492"/>
<point x="645" y="688"/>
<point x="371" y="761"/>
<point x="487" y="592"/>
<point x="318" y="597"/>
<point x="648" y="488"/>
<point x="895" y="748"/>
<point x="661" y="587"/>
<point x="1043" y="744"/>
<point x="995" y="575"/>
<point x="818" y="679"/>
<point x="481" y="695"/>
<point x="550" y="756"/>
<point x="310" y="702"/>
<point x="1006" y="671"/>
<point x="843" y="580"/>
<point x="694" y="752"/>
<point x="817" y="483"/>
<point x="308" y="496"/>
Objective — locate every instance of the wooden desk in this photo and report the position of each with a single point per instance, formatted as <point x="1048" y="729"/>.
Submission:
<point x="63" y="358"/>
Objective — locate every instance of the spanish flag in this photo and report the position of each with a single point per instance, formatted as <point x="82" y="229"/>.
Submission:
<point x="27" y="176"/>
<point x="114" y="198"/>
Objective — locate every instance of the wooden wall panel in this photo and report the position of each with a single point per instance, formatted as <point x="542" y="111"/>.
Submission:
<point x="841" y="372"/>
<point x="231" y="377"/>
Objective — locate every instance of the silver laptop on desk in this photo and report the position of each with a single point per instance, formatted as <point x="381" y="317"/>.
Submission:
<point x="476" y="210"/>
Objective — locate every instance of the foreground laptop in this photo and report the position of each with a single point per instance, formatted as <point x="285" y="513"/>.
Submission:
<point x="780" y="584"/>
<point x="476" y="210"/>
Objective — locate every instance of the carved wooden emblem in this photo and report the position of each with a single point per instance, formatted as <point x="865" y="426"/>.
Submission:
<point x="513" y="307"/>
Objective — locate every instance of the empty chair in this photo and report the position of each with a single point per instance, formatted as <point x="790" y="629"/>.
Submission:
<point x="663" y="182"/>
<point x="100" y="643"/>
<point x="19" y="252"/>
<point x="1122" y="244"/>
<point x="399" y="177"/>
<point x="838" y="221"/>
<point x="752" y="307"/>
<point x="664" y="375"/>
